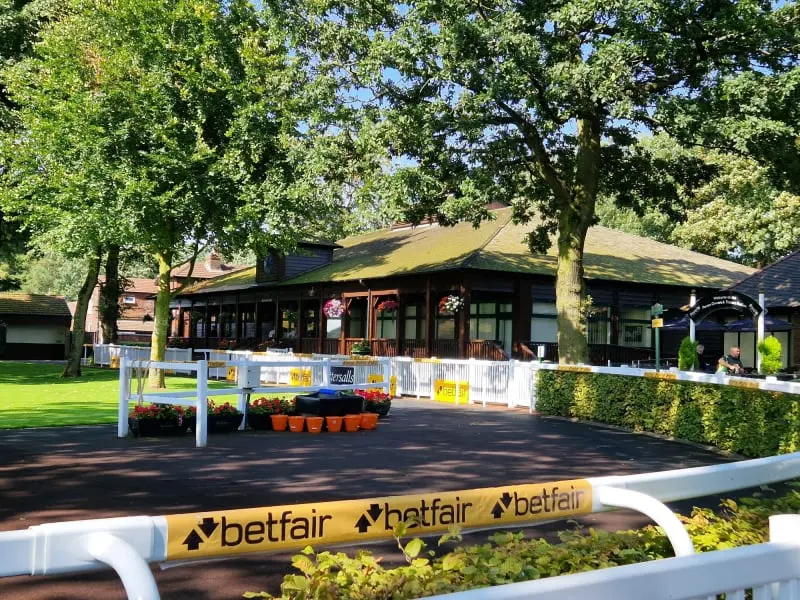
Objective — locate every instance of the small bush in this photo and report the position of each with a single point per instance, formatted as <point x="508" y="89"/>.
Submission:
<point x="771" y="355"/>
<point x="510" y="557"/>
<point x="746" y="421"/>
<point x="687" y="355"/>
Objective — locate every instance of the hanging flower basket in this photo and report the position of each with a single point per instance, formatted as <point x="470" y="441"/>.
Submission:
<point x="450" y="305"/>
<point x="388" y="305"/>
<point x="333" y="308"/>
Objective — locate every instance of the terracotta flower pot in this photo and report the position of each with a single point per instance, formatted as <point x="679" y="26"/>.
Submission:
<point x="334" y="424"/>
<point x="296" y="423"/>
<point x="352" y="422"/>
<point x="314" y="424"/>
<point x="279" y="422"/>
<point x="369" y="420"/>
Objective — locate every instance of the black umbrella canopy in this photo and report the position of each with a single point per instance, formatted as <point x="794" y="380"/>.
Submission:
<point x="770" y="324"/>
<point x="683" y="323"/>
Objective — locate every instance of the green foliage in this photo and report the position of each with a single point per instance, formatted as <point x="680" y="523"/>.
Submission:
<point x="771" y="355"/>
<point x="746" y="421"/>
<point x="510" y="557"/>
<point x="687" y="355"/>
<point x="53" y="274"/>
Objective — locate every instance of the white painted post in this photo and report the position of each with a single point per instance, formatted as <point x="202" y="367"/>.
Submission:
<point x="326" y="371"/>
<point x="653" y="508"/>
<point x="124" y="392"/>
<point x="785" y="529"/>
<point x="692" y="301"/>
<point x="760" y="327"/>
<point x="201" y="410"/>
<point x="387" y="374"/>
<point x="136" y="577"/>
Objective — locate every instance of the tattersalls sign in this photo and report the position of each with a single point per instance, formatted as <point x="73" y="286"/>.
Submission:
<point x="721" y="301"/>
<point x="296" y="526"/>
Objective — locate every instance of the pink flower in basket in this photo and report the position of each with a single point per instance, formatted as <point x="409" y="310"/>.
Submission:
<point x="388" y="305"/>
<point x="333" y="308"/>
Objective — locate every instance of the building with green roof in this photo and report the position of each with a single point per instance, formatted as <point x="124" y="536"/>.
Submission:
<point x="391" y="283"/>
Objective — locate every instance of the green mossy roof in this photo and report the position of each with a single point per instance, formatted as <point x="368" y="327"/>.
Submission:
<point x="18" y="303"/>
<point x="498" y="245"/>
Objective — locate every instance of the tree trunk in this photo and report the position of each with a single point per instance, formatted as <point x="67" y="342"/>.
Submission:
<point x="573" y="223"/>
<point x="73" y="366"/>
<point x="109" y="297"/>
<point x="158" y="343"/>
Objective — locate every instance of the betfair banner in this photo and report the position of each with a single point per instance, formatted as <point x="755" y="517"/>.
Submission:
<point x="276" y="528"/>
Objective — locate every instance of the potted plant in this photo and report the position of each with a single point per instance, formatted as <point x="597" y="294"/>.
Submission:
<point x="388" y="306"/>
<point x="296" y="423"/>
<point x="280" y="419"/>
<point x="160" y="419"/>
<point x="687" y="355"/>
<point x="223" y="418"/>
<point x="334" y="423"/>
<point x="260" y="411"/>
<point x="333" y="308"/>
<point x="368" y="421"/>
<point x="450" y="305"/>
<point x="376" y="401"/>
<point x="352" y="422"/>
<point x="361" y="348"/>
<point x="314" y="424"/>
<point x="771" y="355"/>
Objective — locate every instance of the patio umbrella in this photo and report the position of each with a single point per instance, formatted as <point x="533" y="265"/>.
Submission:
<point x="683" y="323"/>
<point x="770" y="324"/>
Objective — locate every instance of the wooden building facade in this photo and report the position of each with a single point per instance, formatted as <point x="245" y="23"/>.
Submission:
<point x="391" y="284"/>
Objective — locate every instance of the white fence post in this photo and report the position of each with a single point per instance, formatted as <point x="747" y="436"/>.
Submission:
<point x="326" y="371"/>
<point x="244" y="375"/>
<point x="201" y="412"/>
<point x="132" y="569"/>
<point x="124" y="393"/>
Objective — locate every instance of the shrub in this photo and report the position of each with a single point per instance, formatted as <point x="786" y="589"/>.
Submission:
<point x="771" y="355"/>
<point x="746" y="421"/>
<point x="509" y="557"/>
<point x="687" y="355"/>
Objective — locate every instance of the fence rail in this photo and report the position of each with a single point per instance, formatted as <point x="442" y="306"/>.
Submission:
<point x="127" y="544"/>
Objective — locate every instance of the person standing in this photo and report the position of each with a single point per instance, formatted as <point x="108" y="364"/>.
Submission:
<point x="701" y="362"/>
<point x="731" y="363"/>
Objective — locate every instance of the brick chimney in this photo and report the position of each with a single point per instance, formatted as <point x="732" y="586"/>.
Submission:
<point x="213" y="263"/>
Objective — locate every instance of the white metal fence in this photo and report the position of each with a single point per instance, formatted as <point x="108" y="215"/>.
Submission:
<point x="769" y="571"/>
<point x="127" y="544"/>
<point x="104" y="353"/>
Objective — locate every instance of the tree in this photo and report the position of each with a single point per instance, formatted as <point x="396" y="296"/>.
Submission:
<point x="54" y="275"/>
<point x="200" y="128"/>
<point x="725" y="205"/>
<point x="536" y="104"/>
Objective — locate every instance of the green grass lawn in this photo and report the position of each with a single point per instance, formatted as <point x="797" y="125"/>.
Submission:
<point x="35" y="395"/>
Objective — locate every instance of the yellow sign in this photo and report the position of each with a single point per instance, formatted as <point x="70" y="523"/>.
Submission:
<point x="574" y="368"/>
<point x="361" y="362"/>
<point x="661" y="375"/>
<point x="216" y="364"/>
<point x="274" y="528"/>
<point x="656" y="323"/>
<point x="444" y="390"/>
<point x="744" y="383"/>
<point x="300" y="377"/>
<point x="427" y="360"/>
<point x="376" y="378"/>
<point x="231" y="376"/>
<point x="114" y="362"/>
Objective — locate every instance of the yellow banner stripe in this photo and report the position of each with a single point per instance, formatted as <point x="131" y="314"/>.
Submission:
<point x="660" y="375"/>
<point x="223" y="533"/>
<point x="574" y="368"/>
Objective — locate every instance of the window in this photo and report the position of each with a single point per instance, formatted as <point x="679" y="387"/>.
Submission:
<point x="415" y="322"/>
<point x="491" y="321"/>
<point x="597" y="329"/>
<point x="357" y="320"/>
<point x="129" y="299"/>
<point x="333" y="329"/>
<point x="445" y="328"/>
<point x="635" y="327"/>
<point x="544" y="328"/>
<point x="310" y="324"/>
<point x="387" y="324"/>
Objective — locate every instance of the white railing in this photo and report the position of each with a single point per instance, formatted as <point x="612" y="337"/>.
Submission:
<point x="127" y="544"/>
<point x="769" y="571"/>
<point x="262" y="374"/>
<point x="103" y="353"/>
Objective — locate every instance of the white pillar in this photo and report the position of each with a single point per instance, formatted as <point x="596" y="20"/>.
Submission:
<point x="201" y="408"/>
<point x="760" y="328"/>
<point x="692" y="301"/>
<point x="124" y="393"/>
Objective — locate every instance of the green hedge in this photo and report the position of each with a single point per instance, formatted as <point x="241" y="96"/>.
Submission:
<point x="746" y="421"/>
<point x="510" y="557"/>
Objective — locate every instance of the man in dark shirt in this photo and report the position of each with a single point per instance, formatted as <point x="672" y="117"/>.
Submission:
<point x="702" y="360"/>
<point x="731" y="364"/>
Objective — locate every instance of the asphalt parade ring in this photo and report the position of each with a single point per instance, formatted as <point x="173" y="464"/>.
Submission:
<point x="71" y="473"/>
